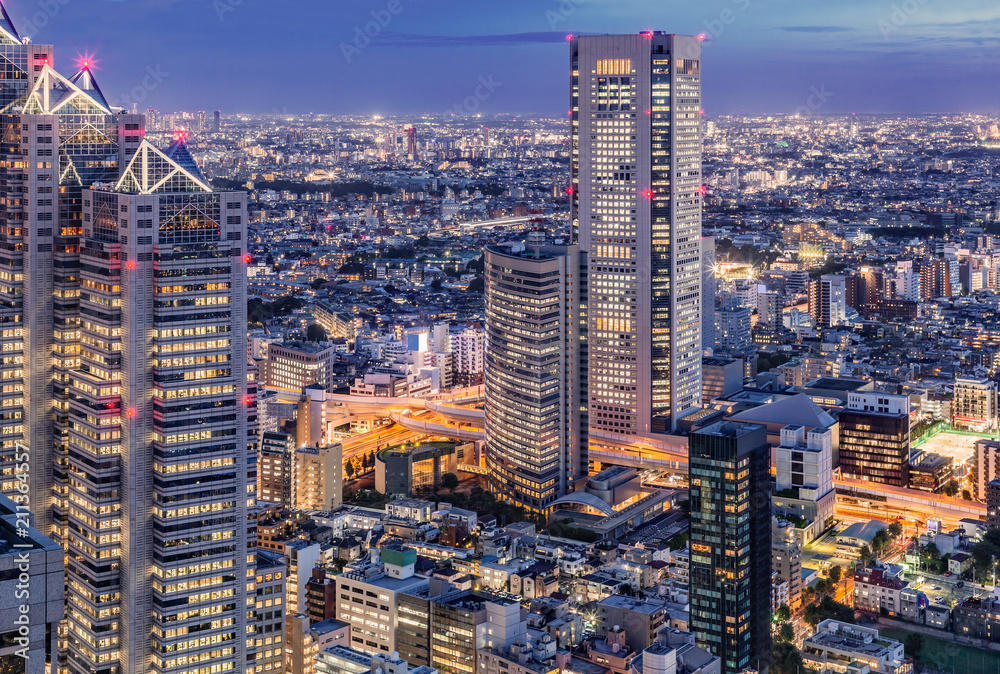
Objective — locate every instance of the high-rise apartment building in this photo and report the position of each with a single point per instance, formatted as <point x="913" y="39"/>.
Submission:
<point x="318" y="478"/>
<point x="828" y="300"/>
<point x="975" y="404"/>
<point x="636" y="196"/>
<point x="159" y="545"/>
<point x="875" y="438"/>
<point x="536" y="426"/>
<point x="730" y="575"/>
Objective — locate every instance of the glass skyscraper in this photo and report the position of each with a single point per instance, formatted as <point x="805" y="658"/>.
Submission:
<point x="636" y="196"/>
<point x="730" y="574"/>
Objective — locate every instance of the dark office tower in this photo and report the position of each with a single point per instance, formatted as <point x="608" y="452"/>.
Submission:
<point x="536" y="426"/>
<point x="411" y="142"/>
<point x="875" y="438"/>
<point x="731" y="544"/>
<point x="636" y="203"/>
<point x="218" y="121"/>
<point x="159" y="545"/>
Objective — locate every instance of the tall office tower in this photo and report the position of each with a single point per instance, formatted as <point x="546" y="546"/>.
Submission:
<point x="730" y="572"/>
<point x="536" y="426"/>
<point x="60" y="136"/>
<point x="636" y="201"/>
<point x="151" y="119"/>
<point x="709" y="287"/>
<point x="202" y="121"/>
<point x="218" y="121"/>
<point x="875" y="438"/>
<point x="828" y="300"/>
<point x="160" y="549"/>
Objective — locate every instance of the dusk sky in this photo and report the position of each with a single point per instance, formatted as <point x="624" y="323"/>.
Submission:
<point x="761" y="56"/>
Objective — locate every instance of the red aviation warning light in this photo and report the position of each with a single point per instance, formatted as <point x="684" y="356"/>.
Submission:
<point x="131" y="412"/>
<point x="131" y="264"/>
<point x="247" y="259"/>
<point x="648" y="194"/>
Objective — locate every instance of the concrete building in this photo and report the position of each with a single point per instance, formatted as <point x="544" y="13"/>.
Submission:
<point x="839" y="647"/>
<point x="269" y="637"/>
<point x="641" y="619"/>
<point x="720" y="377"/>
<point x="274" y="468"/>
<point x="30" y="610"/>
<point x="875" y="438"/>
<point x="804" y="480"/>
<point x="402" y="470"/>
<point x="975" y="404"/>
<point x="640" y="224"/>
<point x="536" y="426"/>
<point x="291" y="366"/>
<point x="828" y="300"/>
<point x="318" y="481"/>
<point x="468" y="349"/>
<point x="786" y="560"/>
<point x="985" y="466"/>
<point x="878" y="587"/>
<point x="161" y="424"/>
<point x="367" y="597"/>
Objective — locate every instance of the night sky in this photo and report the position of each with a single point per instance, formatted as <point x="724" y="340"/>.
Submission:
<point x="761" y="56"/>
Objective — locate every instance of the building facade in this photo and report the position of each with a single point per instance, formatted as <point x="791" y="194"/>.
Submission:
<point x="636" y="200"/>
<point x="875" y="438"/>
<point x="536" y="426"/>
<point x="730" y="568"/>
<point x="158" y="445"/>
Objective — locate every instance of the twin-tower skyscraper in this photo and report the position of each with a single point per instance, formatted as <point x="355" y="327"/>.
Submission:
<point x="124" y="374"/>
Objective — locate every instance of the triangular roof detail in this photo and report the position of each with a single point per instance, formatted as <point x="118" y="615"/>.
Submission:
<point x="151" y="171"/>
<point x="178" y="151"/>
<point x="8" y="34"/>
<point x="53" y="92"/>
<point x="797" y="409"/>
<point x="86" y="81"/>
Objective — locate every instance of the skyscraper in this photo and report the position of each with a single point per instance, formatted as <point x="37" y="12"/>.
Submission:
<point x="218" y="121"/>
<point x="159" y="550"/>
<point x="828" y="300"/>
<point x="536" y="424"/>
<point x="731" y="543"/>
<point x="60" y="136"/>
<point x="636" y="202"/>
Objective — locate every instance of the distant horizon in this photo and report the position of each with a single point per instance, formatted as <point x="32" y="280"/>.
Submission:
<point x="761" y="56"/>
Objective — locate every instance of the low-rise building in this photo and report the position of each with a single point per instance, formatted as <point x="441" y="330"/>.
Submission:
<point x="839" y="647"/>
<point x="878" y="587"/>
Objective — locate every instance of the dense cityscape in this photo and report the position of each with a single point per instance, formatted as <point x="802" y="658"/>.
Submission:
<point x="636" y="389"/>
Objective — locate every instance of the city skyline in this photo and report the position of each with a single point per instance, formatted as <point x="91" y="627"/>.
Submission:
<point x="850" y="56"/>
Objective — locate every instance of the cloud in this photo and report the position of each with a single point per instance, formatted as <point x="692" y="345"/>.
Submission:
<point x="816" y="29"/>
<point x="411" y="40"/>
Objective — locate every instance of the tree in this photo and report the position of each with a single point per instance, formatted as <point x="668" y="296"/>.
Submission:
<point x="478" y="285"/>
<point x="823" y="586"/>
<point x="836" y="574"/>
<point x="951" y="488"/>
<point x="315" y="333"/>
<point x="785" y="659"/>
<point x="914" y="644"/>
<point x="880" y="541"/>
<point x="896" y="529"/>
<point x="966" y="494"/>
<point x="436" y="284"/>
<point x="786" y="632"/>
<point x="783" y="614"/>
<point x="318" y="283"/>
<point x="931" y="556"/>
<point x="449" y="481"/>
<point x="866" y="555"/>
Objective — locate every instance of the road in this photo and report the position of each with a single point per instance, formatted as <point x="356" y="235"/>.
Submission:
<point x="363" y="444"/>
